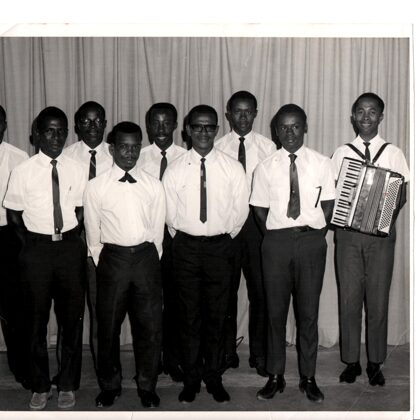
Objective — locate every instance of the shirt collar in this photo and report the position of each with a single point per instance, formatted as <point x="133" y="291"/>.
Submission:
<point x="247" y="137"/>
<point x="117" y="173"/>
<point x="46" y="160"/>
<point x="196" y="157"/>
<point x="377" y="139"/>
<point x="98" y="148"/>
<point x="285" y="154"/>
<point x="158" y="150"/>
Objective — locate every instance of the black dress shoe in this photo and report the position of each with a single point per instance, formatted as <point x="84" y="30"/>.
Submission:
<point x="107" y="398"/>
<point x="276" y="383"/>
<point x="310" y="388"/>
<point x="149" y="399"/>
<point x="175" y="373"/>
<point x="188" y="393"/>
<point x="350" y="373"/>
<point x="218" y="391"/>
<point x="375" y="374"/>
<point x="231" y="361"/>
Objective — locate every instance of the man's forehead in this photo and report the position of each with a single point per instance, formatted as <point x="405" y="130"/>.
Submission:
<point x="162" y="113"/>
<point x="203" y="116"/>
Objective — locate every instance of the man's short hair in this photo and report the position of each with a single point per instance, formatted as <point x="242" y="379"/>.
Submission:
<point x="3" y="113"/>
<point x="127" y="127"/>
<point x="369" y="95"/>
<point x="88" y="105"/>
<point x="161" y="106"/>
<point x="242" y="94"/>
<point x="201" y="109"/>
<point x="290" y="109"/>
<point x="50" y="112"/>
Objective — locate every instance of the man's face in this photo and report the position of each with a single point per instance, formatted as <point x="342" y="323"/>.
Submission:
<point x="161" y="128"/>
<point x="367" y="117"/>
<point x="242" y="115"/>
<point x="126" y="150"/>
<point x="3" y="126"/>
<point x="202" y="129"/>
<point x="90" y="126"/>
<point x="290" y="129"/>
<point x="52" y="136"/>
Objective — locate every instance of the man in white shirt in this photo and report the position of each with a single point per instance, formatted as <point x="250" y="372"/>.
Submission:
<point x="44" y="203"/>
<point x="93" y="154"/>
<point x="293" y="196"/>
<point x="207" y="205"/>
<point x="365" y="262"/>
<point x="249" y="148"/>
<point x="124" y="220"/>
<point x="11" y="314"/>
<point x="161" y="122"/>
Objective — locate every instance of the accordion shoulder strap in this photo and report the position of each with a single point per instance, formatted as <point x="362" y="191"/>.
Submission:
<point x="380" y="152"/>
<point x="356" y="150"/>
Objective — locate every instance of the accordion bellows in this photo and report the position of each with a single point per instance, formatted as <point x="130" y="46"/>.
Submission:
<point x="368" y="198"/>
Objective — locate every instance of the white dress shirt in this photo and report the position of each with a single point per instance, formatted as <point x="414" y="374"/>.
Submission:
<point x="79" y="151"/>
<point x="30" y="191"/>
<point x="151" y="156"/>
<point x="257" y="148"/>
<point x="227" y="194"/>
<point x="391" y="158"/>
<point x="10" y="157"/>
<point x="123" y="213"/>
<point x="271" y="188"/>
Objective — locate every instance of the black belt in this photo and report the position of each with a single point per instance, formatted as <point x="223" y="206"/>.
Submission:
<point x="203" y="238"/>
<point x="128" y="249"/>
<point x="305" y="228"/>
<point x="40" y="237"/>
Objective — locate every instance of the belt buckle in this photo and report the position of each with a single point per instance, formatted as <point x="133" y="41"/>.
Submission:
<point x="55" y="237"/>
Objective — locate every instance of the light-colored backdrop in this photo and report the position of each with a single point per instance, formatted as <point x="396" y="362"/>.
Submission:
<point x="127" y="75"/>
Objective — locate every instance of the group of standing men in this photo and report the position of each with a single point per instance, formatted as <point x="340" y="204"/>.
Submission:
<point x="126" y="222"/>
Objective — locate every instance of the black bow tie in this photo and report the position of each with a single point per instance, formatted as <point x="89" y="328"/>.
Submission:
<point x="127" y="177"/>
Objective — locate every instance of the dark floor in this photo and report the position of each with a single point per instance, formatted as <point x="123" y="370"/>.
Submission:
<point x="242" y="384"/>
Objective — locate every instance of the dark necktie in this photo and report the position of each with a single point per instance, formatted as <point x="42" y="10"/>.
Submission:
<point x="127" y="177"/>
<point x="293" y="209"/>
<point x="241" y="152"/>
<point x="203" y="192"/>
<point x="367" y="151"/>
<point x="163" y="164"/>
<point x="92" y="165"/>
<point x="58" y="216"/>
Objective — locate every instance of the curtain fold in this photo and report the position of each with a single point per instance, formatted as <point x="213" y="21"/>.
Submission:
<point x="127" y="75"/>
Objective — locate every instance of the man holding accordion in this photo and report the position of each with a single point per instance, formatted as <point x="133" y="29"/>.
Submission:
<point x="365" y="259"/>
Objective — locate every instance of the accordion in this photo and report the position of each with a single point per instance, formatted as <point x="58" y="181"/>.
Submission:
<point x="368" y="198"/>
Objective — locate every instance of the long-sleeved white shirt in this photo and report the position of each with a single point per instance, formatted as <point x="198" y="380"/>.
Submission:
<point x="123" y="213"/>
<point x="227" y="194"/>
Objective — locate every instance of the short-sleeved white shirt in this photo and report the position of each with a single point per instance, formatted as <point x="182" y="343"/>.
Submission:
<point x="391" y="158"/>
<point x="257" y="148"/>
<point x="151" y="156"/>
<point x="271" y="188"/>
<point x="79" y="151"/>
<point x="30" y="191"/>
<point x="10" y="157"/>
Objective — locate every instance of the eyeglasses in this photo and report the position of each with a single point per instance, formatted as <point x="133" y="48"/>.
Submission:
<point x="86" y="122"/>
<point x="59" y="132"/>
<point x="198" y="128"/>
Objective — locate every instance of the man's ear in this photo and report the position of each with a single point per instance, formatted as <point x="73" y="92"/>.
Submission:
<point x="188" y="129"/>
<point x="111" y="149"/>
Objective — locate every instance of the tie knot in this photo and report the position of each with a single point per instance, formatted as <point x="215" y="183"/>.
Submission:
<point x="203" y="160"/>
<point x="163" y="153"/>
<point x="366" y="143"/>
<point x="241" y="139"/>
<point x="54" y="163"/>
<point x="92" y="152"/>
<point x="292" y="157"/>
<point x="127" y="177"/>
